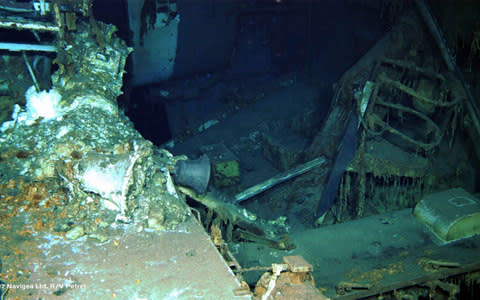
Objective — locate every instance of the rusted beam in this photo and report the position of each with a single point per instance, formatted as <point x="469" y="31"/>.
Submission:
<point x="20" y="25"/>
<point x="440" y="274"/>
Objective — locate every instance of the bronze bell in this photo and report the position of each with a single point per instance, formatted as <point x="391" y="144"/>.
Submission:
<point x="193" y="173"/>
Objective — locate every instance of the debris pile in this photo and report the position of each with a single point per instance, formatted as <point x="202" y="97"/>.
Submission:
<point x="72" y="158"/>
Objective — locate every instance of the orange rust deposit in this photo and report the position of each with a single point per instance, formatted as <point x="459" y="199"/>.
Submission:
<point x="39" y="225"/>
<point x="25" y="231"/>
<point x="19" y="252"/>
<point x="69" y="168"/>
<point x="62" y="214"/>
<point x="11" y="184"/>
<point x="9" y="199"/>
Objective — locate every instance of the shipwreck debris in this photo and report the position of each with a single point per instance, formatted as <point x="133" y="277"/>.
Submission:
<point x="279" y="178"/>
<point x="346" y="287"/>
<point x="240" y="223"/>
<point x="291" y="279"/>
<point x="451" y="215"/>
<point x="225" y="166"/>
<point x="75" y="136"/>
<point x="435" y="264"/>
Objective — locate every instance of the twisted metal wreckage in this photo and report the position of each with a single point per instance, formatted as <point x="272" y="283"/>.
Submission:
<point x="73" y="165"/>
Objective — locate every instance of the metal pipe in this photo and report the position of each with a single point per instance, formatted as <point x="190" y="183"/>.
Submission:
<point x="30" y="70"/>
<point x="449" y="61"/>
<point x="436" y="33"/>
<point x="27" y="47"/>
<point x="16" y="7"/>
<point x="28" y="26"/>
<point x="267" y="184"/>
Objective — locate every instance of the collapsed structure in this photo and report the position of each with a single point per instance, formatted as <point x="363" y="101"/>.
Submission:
<point x="76" y="173"/>
<point x="75" y="137"/>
